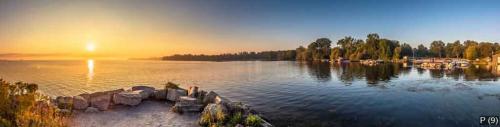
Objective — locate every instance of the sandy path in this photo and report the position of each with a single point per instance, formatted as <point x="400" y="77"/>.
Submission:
<point x="147" y="114"/>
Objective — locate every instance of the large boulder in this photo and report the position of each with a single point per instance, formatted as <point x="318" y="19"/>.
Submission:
<point x="201" y="96"/>
<point x="85" y="96"/>
<point x="100" y="100"/>
<point x="147" y="90"/>
<point x="175" y="94"/>
<point x="113" y="92"/>
<point x="80" y="103"/>
<point x="131" y="98"/>
<point x="64" y="102"/>
<point x="193" y="91"/>
<point x="210" y="97"/>
<point x="187" y="104"/>
<point x="160" y="94"/>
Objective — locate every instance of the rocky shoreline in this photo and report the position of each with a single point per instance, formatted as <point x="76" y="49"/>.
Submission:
<point x="214" y="109"/>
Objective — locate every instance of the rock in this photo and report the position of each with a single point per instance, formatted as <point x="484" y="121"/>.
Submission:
<point x="131" y="98"/>
<point x="80" y="103"/>
<point x="187" y="100"/>
<point x="201" y="95"/>
<point x="222" y="100"/>
<point x="147" y="91"/>
<point x="86" y="96"/>
<point x="160" y="94"/>
<point x="266" y="124"/>
<point x="239" y="125"/>
<point x="113" y="92"/>
<point x="145" y="94"/>
<point x="193" y="91"/>
<point x="91" y="110"/>
<point x="210" y="97"/>
<point x="238" y="107"/>
<point x="187" y="104"/>
<point x="174" y="94"/>
<point x="100" y="100"/>
<point x="64" y="102"/>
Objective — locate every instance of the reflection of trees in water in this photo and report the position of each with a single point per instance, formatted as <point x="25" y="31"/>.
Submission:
<point x="320" y="70"/>
<point x="436" y="73"/>
<point x="372" y="74"/>
<point x="385" y="72"/>
<point x="380" y="72"/>
<point x="482" y="73"/>
<point x="454" y="73"/>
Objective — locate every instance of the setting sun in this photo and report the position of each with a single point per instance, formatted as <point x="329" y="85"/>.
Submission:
<point x="90" y="47"/>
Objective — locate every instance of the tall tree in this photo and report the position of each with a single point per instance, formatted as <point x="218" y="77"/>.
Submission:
<point x="422" y="51"/>
<point x="335" y="53"/>
<point x="406" y="50"/>
<point x="397" y="53"/>
<point x="301" y="53"/>
<point x="437" y="48"/>
<point x="471" y="52"/>
<point x="485" y="49"/>
<point x="457" y="50"/>
<point x="346" y="44"/>
<point x="372" y="45"/>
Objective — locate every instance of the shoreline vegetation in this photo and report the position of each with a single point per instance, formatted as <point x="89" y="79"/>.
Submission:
<point x="22" y="105"/>
<point x="373" y="48"/>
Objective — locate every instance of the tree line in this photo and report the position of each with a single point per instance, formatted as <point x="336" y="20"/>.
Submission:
<point x="373" y="47"/>
<point x="241" y="56"/>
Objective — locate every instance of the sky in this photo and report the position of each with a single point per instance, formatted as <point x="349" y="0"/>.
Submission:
<point x="152" y="28"/>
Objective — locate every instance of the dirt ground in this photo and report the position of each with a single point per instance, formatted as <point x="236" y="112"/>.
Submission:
<point x="146" y="114"/>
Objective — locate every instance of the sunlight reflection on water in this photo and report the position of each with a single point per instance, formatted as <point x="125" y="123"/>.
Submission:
<point x="90" y="71"/>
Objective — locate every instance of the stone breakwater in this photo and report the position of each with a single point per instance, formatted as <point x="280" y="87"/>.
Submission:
<point x="192" y="100"/>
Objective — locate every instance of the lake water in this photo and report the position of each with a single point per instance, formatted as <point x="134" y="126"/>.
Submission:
<point x="293" y="93"/>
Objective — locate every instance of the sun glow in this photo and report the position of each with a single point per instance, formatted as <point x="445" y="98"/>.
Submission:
<point x="90" y="47"/>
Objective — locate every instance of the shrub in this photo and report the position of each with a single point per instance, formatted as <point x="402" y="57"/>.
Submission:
<point x="171" y="85"/>
<point x="235" y="119"/>
<point x="253" y="121"/>
<point x="21" y="105"/>
<point x="213" y="119"/>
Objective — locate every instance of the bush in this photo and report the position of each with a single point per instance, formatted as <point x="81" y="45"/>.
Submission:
<point x="235" y="119"/>
<point x="171" y="85"/>
<point x="21" y="105"/>
<point x="253" y="121"/>
<point x="216" y="119"/>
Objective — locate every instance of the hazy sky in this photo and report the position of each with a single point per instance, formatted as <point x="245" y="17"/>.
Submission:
<point x="144" y="28"/>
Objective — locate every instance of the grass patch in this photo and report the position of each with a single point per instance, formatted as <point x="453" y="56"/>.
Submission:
<point x="253" y="121"/>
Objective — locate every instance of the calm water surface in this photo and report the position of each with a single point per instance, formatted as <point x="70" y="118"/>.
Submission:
<point x="294" y="93"/>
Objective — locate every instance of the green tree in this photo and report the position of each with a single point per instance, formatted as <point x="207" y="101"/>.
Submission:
<point x="397" y="53"/>
<point x="437" y="48"/>
<point x="421" y="51"/>
<point x="471" y="52"/>
<point x="457" y="50"/>
<point x="485" y="49"/>
<point x="301" y="53"/>
<point x="346" y="44"/>
<point x="406" y="50"/>
<point x="335" y="53"/>
<point x="372" y="45"/>
<point x="320" y="49"/>
<point x="384" y="50"/>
